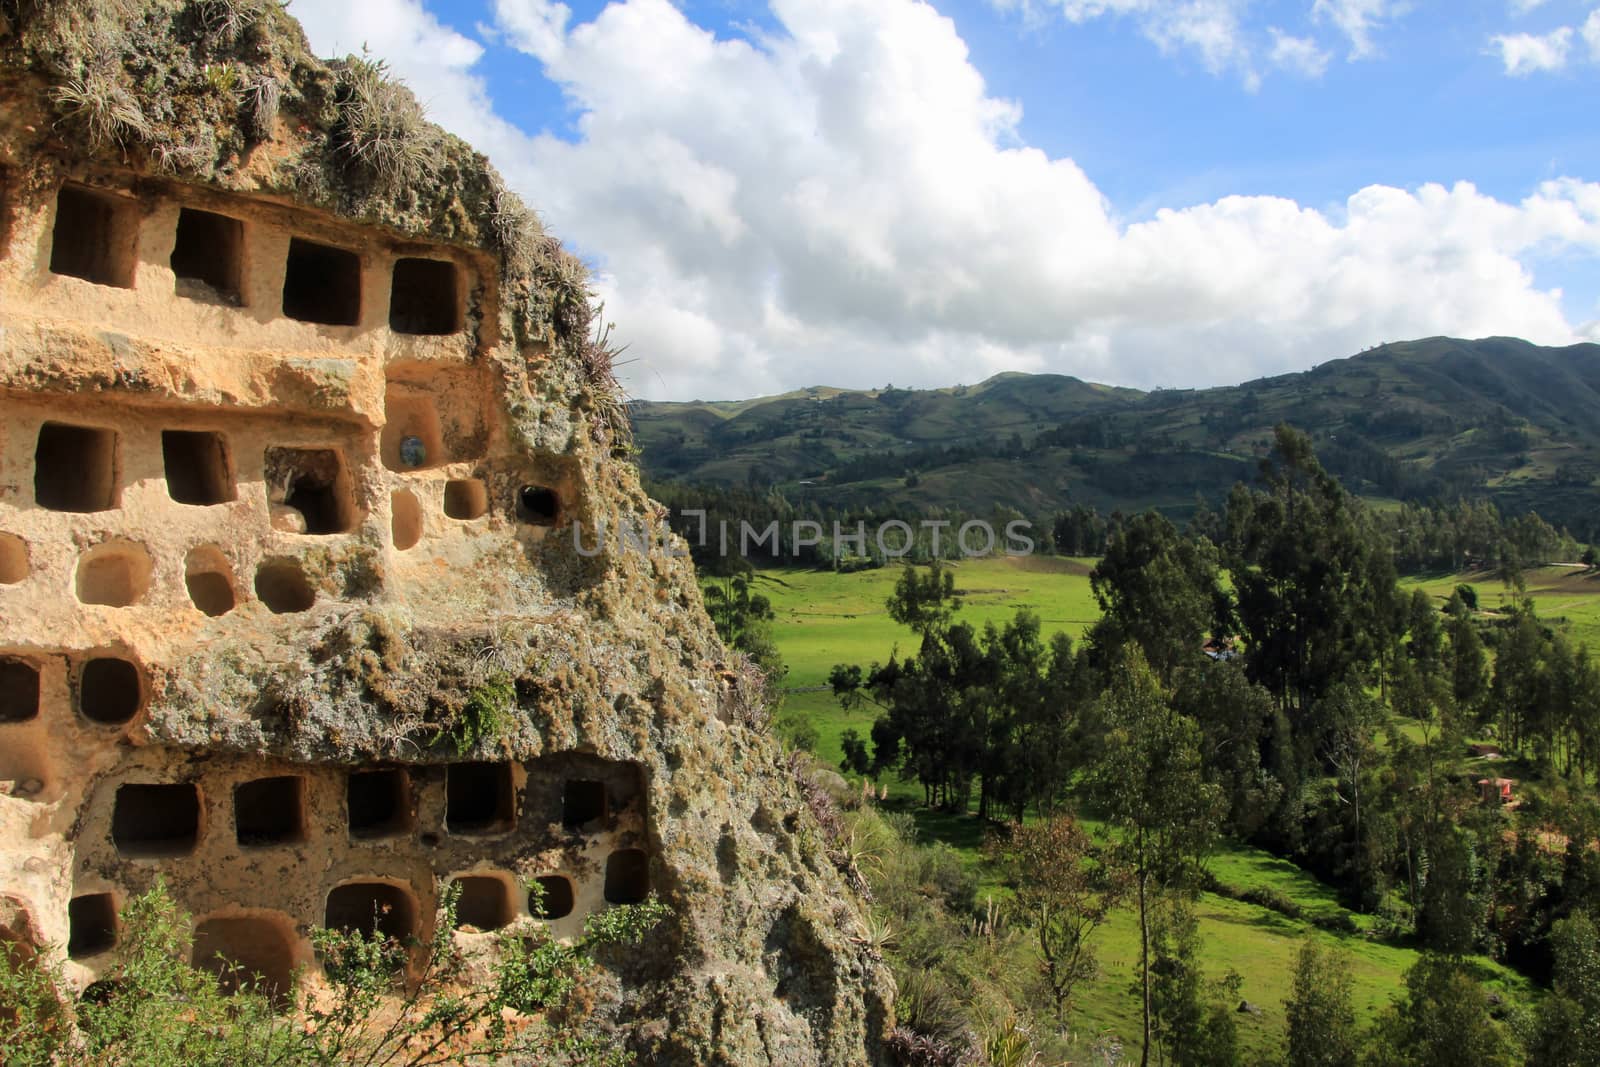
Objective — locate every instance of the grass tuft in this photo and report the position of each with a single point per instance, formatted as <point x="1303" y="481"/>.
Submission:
<point x="260" y="99"/>
<point x="173" y="159"/>
<point x="100" y="108"/>
<point x="514" y="228"/>
<point x="381" y="128"/>
<point x="229" y="18"/>
<point x="597" y="359"/>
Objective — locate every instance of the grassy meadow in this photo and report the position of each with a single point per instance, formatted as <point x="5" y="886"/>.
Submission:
<point x="1566" y="595"/>
<point x="823" y="618"/>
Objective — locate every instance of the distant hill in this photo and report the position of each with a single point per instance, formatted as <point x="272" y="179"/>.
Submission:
<point x="1436" y="418"/>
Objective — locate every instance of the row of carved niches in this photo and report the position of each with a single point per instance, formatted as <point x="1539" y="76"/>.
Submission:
<point x="119" y="573"/>
<point x="313" y="490"/>
<point x="551" y="840"/>
<point x="217" y="258"/>
<point x="83" y="467"/>
<point x="264" y="947"/>
<point x="557" y="799"/>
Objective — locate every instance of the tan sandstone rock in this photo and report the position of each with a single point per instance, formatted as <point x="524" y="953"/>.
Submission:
<point x="294" y="437"/>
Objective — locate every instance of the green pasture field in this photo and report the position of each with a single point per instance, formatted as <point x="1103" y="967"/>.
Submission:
<point x="1567" y="595"/>
<point x="824" y="618"/>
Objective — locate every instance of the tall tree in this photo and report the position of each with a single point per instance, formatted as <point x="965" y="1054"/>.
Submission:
<point x="1192" y="1027"/>
<point x="1469" y="663"/>
<point x="1442" y="1021"/>
<point x="1569" y="1019"/>
<point x="1236" y="719"/>
<point x="1322" y="1021"/>
<point x="1047" y="746"/>
<point x="1063" y="893"/>
<point x="1149" y="781"/>
<point x="1347" y="723"/>
<point x="1158" y="588"/>
<point x="1010" y="710"/>
<point x="1314" y="587"/>
<point x="924" y="602"/>
<point x="743" y="619"/>
<point x="1520" y="687"/>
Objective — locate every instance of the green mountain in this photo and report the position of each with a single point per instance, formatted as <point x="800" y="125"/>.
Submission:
<point x="1438" y="418"/>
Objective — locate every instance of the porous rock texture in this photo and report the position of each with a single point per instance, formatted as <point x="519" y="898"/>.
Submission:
<point x="311" y="591"/>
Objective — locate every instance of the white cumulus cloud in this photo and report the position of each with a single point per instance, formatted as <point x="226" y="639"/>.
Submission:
<point x="1359" y="20"/>
<point x="1526" y="53"/>
<point x="1298" y="54"/>
<point x="1210" y="29"/>
<point x="841" y="200"/>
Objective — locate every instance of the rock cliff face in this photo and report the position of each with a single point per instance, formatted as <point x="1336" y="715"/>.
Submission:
<point x="312" y="594"/>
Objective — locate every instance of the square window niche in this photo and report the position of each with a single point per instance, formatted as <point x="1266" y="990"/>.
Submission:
<point x="94" y="237"/>
<point x="322" y="284"/>
<point x="208" y="256"/>
<point x="425" y="297"/>
<point x="75" y="468"/>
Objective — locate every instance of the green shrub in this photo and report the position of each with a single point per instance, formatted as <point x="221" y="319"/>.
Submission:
<point x="1272" y="899"/>
<point x="1338" y="922"/>
<point x="385" y="1002"/>
<point x="943" y="871"/>
<point x="484" y="719"/>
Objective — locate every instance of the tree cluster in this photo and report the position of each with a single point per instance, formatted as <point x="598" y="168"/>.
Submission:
<point x="1275" y="683"/>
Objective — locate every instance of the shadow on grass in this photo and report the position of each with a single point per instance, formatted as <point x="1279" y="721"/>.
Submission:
<point x="961" y="830"/>
<point x="1255" y="915"/>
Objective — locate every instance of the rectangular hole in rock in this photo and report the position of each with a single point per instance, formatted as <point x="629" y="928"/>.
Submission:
<point x="208" y="256"/>
<point x="152" y="821"/>
<point x="484" y="903"/>
<point x="537" y="505"/>
<point x="116" y="574"/>
<point x="425" y="297"/>
<point x="310" y="491"/>
<point x="198" y="471"/>
<point x="480" y="798"/>
<point x="582" y="802"/>
<point x="248" y="953"/>
<point x="94" y="237"/>
<point x="91" y="925"/>
<point x="379" y="803"/>
<point x="75" y="468"/>
<point x="14" y="562"/>
<point x="465" y="499"/>
<point x="627" y="876"/>
<point x="371" y="908"/>
<point x="551" y="897"/>
<point x="8" y="217"/>
<point x="19" y="690"/>
<point x="322" y="284"/>
<point x="270" y="811"/>
<point x="110" y="691"/>
<point x="412" y="438"/>
<point x="208" y="577"/>
<point x="405" y="519"/>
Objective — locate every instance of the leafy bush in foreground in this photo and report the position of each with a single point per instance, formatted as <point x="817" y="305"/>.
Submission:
<point x="381" y="1002"/>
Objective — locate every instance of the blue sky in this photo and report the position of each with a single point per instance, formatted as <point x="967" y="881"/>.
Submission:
<point x="1150" y="192"/>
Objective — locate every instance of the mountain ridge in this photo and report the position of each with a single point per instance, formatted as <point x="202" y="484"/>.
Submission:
<point x="1434" y="418"/>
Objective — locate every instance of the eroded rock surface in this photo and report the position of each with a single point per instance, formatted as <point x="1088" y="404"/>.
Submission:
<point x="298" y="422"/>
